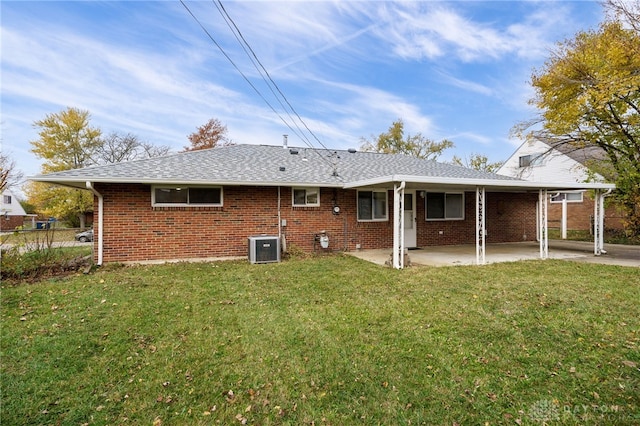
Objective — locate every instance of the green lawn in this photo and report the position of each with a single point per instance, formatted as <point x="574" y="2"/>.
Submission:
<point x="325" y="341"/>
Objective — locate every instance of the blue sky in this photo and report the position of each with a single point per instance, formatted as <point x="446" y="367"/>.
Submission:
<point x="456" y="70"/>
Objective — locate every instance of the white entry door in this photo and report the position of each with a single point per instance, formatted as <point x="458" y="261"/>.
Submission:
<point x="410" y="233"/>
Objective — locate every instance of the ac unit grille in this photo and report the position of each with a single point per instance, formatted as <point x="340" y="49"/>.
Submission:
<point x="264" y="249"/>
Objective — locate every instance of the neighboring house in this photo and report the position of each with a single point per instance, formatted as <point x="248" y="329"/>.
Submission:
<point x="206" y="204"/>
<point x="12" y="213"/>
<point x="537" y="161"/>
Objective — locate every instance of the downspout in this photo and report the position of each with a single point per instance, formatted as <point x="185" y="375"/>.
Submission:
<point x="281" y="235"/>
<point x="100" y="219"/>
<point x="279" y="216"/>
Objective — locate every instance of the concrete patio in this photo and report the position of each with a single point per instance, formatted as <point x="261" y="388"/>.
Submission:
<point x="509" y="252"/>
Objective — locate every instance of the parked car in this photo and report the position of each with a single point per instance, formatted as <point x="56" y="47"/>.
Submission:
<point x="85" y="236"/>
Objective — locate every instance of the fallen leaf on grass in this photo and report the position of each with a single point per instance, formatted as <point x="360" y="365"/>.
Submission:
<point x="630" y="363"/>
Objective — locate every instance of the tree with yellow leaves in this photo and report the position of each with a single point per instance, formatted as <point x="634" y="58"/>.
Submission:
<point x="393" y="141"/>
<point x="588" y="93"/>
<point x="67" y="141"/>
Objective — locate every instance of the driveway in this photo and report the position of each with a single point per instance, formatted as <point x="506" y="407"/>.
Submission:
<point x="617" y="254"/>
<point x="509" y="252"/>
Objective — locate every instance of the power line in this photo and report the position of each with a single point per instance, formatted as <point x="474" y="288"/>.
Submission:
<point x="301" y="136"/>
<point x="245" y="43"/>
<point x="239" y="37"/>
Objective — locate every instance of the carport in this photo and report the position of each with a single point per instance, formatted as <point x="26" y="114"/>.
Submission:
<point x="400" y="184"/>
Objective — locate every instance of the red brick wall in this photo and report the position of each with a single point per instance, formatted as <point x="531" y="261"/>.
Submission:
<point x="510" y="217"/>
<point x="579" y="215"/>
<point x="134" y="230"/>
<point x="10" y="223"/>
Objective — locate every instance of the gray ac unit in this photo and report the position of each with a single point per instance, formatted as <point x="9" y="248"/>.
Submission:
<point x="264" y="249"/>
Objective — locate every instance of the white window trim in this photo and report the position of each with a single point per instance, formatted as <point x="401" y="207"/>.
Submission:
<point x="536" y="160"/>
<point x="568" y="201"/>
<point x="445" y="205"/>
<point x="386" y="202"/>
<point x="153" y="196"/>
<point x="306" y="188"/>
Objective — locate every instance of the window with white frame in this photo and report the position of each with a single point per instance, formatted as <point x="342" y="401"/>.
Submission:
<point x="530" y="160"/>
<point x="444" y="205"/>
<point x="173" y="196"/>
<point x="571" y="197"/>
<point x="372" y="206"/>
<point x="306" y="197"/>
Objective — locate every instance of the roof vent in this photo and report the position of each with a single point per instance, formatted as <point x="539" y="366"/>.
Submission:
<point x="282" y="168"/>
<point x="351" y="150"/>
<point x="293" y="151"/>
<point x="284" y="141"/>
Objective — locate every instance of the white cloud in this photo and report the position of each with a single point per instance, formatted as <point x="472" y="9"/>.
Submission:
<point x="467" y="84"/>
<point x="421" y="30"/>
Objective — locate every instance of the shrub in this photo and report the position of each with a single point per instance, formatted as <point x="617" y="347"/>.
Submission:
<point x="35" y="256"/>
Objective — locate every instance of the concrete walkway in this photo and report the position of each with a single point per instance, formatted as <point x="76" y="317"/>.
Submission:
<point x="509" y="252"/>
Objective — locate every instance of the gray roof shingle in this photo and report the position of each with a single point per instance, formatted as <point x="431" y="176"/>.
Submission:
<point x="262" y="164"/>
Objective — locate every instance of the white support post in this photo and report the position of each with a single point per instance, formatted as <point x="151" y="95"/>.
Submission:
<point x="398" y="225"/>
<point x="543" y="227"/>
<point x="598" y="222"/>
<point x="601" y="197"/>
<point x="564" y="217"/>
<point x="480" y="226"/>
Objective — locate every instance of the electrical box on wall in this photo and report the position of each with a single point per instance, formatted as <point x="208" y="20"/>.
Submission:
<point x="264" y="249"/>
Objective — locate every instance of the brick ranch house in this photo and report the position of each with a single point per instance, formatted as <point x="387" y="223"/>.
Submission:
<point x="206" y="204"/>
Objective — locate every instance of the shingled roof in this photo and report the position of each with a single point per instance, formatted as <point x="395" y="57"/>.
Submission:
<point x="266" y="165"/>
<point x="583" y="155"/>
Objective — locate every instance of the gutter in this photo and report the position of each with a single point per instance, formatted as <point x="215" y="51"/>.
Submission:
<point x="79" y="182"/>
<point x="471" y="182"/>
<point x="100" y="220"/>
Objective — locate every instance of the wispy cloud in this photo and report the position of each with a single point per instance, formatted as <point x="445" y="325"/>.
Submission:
<point x="431" y="30"/>
<point x="466" y="84"/>
<point x="350" y="68"/>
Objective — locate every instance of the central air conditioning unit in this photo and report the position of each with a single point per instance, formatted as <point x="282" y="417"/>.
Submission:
<point x="264" y="249"/>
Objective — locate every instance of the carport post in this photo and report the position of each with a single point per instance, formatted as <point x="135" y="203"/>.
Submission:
<point x="598" y="223"/>
<point x="480" y="225"/>
<point x="398" y="225"/>
<point x="543" y="229"/>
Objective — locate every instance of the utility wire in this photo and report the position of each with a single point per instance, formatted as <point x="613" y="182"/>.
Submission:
<point x="241" y="73"/>
<point x="245" y="43"/>
<point x="302" y="137"/>
<point x="254" y="60"/>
